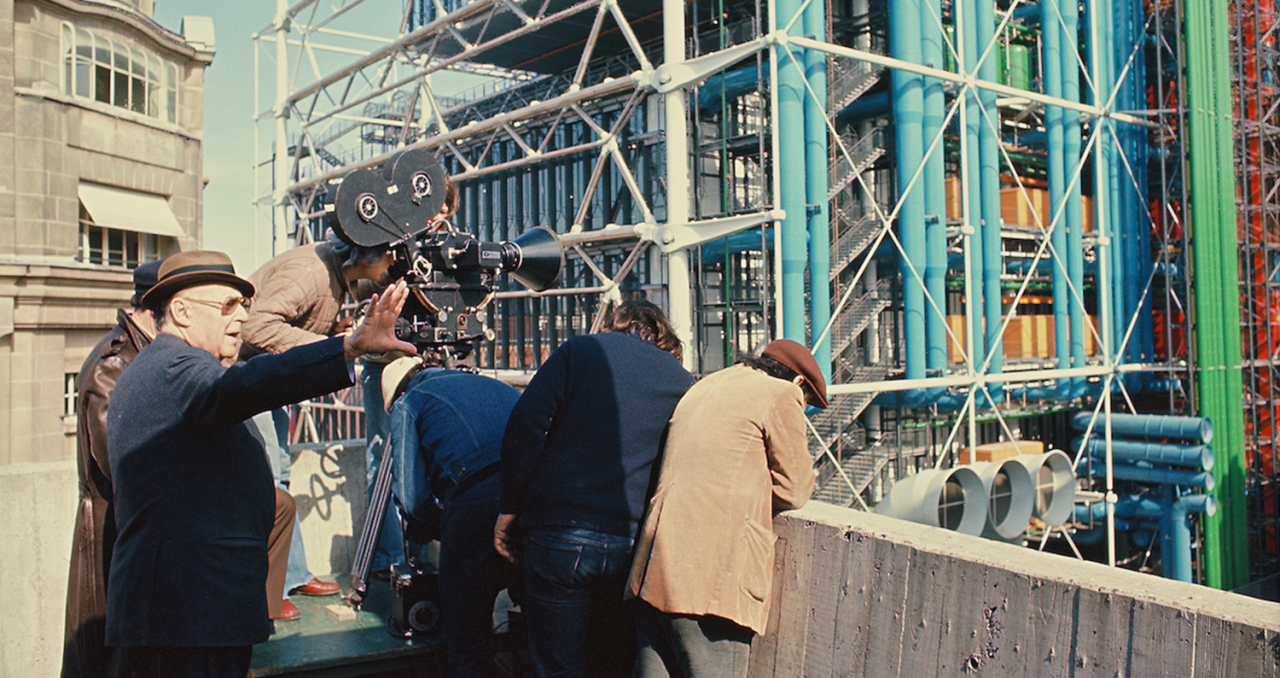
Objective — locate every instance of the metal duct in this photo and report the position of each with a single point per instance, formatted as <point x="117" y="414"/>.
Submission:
<point x="1055" y="485"/>
<point x="952" y="499"/>
<point x="1010" y="497"/>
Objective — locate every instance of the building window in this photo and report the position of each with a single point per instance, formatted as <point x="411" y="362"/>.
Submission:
<point x="116" y="247"/>
<point x="99" y="68"/>
<point x="69" y="394"/>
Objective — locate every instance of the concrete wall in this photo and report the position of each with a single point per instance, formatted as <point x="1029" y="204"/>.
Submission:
<point x="37" y="514"/>
<point x="855" y="594"/>
<point x="863" y="595"/>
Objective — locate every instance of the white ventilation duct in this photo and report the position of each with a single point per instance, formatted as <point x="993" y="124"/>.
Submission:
<point x="1055" y="485"/>
<point x="952" y="499"/>
<point x="1010" y="497"/>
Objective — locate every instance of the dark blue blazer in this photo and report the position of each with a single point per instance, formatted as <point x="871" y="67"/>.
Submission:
<point x="194" y="494"/>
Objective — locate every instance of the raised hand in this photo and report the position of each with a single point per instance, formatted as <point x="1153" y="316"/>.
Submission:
<point x="377" y="334"/>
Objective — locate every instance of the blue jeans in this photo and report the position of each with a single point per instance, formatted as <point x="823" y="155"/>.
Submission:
<point x="377" y="424"/>
<point x="471" y="575"/>
<point x="578" y="623"/>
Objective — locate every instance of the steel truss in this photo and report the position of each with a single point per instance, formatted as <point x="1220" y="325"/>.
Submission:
<point x="621" y="125"/>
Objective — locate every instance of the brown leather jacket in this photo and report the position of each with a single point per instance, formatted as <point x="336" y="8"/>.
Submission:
<point x="83" y="652"/>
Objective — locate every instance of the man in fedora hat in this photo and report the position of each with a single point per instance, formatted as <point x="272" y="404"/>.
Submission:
<point x="736" y="454"/>
<point x="194" y="496"/>
<point x="84" y="654"/>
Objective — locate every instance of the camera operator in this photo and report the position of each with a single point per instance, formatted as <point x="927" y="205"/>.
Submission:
<point x="446" y="444"/>
<point x="299" y="302"/>
<point x="377" y="424"/>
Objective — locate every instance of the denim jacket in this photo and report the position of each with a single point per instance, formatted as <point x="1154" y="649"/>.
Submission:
<point x="446" y="427"/>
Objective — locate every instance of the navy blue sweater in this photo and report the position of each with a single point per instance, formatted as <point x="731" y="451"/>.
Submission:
<point x="581" y="442"/>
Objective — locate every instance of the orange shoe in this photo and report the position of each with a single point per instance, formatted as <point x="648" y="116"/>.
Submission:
<point x="315" y="587"/>
<point x="289" y="612"/>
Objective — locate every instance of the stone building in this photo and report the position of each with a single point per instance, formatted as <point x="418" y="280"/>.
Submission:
<point x="101" y="119"/>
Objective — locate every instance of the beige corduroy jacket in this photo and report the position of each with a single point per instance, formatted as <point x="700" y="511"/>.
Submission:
<point x="736" y="454"/>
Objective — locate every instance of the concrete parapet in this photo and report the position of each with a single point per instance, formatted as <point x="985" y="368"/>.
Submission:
<point x="856" y="594"/>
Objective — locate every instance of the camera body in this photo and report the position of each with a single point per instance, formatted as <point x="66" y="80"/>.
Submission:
<point x="452" y="276"/>
<point x="415" y="601"/>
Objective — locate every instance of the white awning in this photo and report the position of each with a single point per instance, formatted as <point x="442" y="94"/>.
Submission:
<point x="127" y="210"/>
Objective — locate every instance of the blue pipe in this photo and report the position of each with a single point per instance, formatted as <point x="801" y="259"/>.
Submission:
<point x="791" y="167"/>
<point x="1174" y="528"/>
<point x="1051" y="82"/>
<point x="1151" y="426"/>
<point x="989" y="159"/>
<point x="1134" y="137"/>
<point x="1027" y="14"/>
<point x="908" y="114"/>
<point x="1199" y="456"/>
<point x="815" y="151"/>
<point x="734" y="84"/>
<point x="1178" y="532"/>
<point x="1071" y="156"/>
<point x="932" y="52"/>
<point x="975" y="300"/>
<point x="1142" y="474"/>
<point x="867" y="106"/>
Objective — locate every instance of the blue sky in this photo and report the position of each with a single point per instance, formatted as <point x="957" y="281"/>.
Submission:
<point x="229" y="154"/>
<point x="228" y="123"/>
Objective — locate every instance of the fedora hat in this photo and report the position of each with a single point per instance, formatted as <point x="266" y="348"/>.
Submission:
<point x="188" y="269"/>
<point x="801" y="361"/>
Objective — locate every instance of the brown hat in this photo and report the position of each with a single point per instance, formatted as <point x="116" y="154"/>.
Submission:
<point x="799" y="359"/>
<point x="188" y="269"/>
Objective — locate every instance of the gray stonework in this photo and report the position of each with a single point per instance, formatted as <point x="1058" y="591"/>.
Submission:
<point x="52" y="307"/>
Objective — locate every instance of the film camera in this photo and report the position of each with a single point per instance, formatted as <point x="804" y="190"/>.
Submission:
<point x="452" y="276"/>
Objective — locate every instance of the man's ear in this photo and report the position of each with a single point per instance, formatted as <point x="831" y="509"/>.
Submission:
<point x="180" y="312"/>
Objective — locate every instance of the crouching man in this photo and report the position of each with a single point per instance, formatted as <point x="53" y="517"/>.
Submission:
<point x="446" y="444"/>
<point x="736" y="455"/>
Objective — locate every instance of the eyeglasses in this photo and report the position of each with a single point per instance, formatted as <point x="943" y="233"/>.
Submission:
<point x="227" y="306"/>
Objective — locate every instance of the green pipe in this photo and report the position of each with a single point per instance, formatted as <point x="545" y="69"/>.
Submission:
<point x="1207" y="99"/>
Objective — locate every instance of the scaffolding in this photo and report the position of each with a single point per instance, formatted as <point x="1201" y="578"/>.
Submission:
<point x="980" y="219"/>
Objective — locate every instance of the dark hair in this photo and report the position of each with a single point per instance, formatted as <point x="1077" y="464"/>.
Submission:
<point x="355" y="255"/>
<point x="645" y="320"/>
<point x="450" y="198"/>
<point x="767" y="365"/>
<point x="160" y="312"/>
